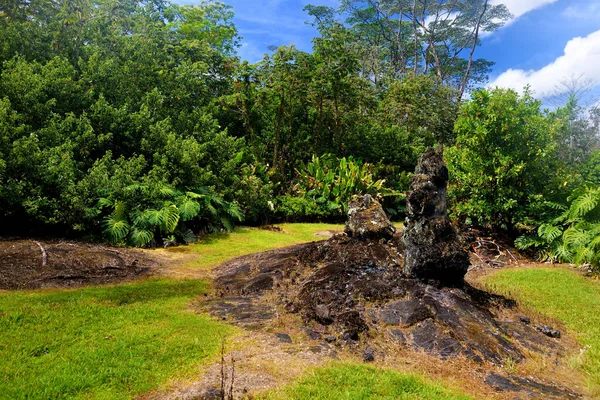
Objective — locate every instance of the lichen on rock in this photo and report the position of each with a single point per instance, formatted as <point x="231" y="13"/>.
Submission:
<point x="367" y="220"/>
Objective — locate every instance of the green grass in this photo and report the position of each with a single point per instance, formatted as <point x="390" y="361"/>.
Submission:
<point x="217" y="248"/>
<point x="357" y="381"/>
<point x="108" y="342"/>
<point x="564" y="295"/>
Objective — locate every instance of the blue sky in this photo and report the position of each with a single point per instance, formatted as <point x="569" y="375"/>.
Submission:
<point x="547" y="41"/>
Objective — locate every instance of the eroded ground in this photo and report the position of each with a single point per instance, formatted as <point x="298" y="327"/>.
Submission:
<point x="285" y="332"/>
<point x="32" y="264"/>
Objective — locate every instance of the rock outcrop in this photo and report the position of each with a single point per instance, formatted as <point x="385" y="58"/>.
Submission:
<point x="372" y="291"/>
<point x="367" y="220"/>
<point x="432" y="248"/>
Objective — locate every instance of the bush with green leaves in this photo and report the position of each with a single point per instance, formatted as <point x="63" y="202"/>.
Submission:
<point x="574" y="235"/>
<point x="169" y="218"/>
<point x="504" y="164"/>
<point x="325" y="184"/>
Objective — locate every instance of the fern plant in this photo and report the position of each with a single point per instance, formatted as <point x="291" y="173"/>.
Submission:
<point x="140" y="221"/>
<point x="573" y="236"/>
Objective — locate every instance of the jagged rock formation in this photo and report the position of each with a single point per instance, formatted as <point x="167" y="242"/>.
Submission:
<point x="432" y="249"/>
<point x="367" y="220"/>
<point x="368" y="283"/>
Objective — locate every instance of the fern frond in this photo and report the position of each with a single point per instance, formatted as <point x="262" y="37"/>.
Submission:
<point x="562" y="253"/>
<point x="584" y="204"/>
<point x="583" y="255"/>
<point x="154" y="217"/>
<point x="574" y="237"/>
<point x="120" y="211"/>
<point x="104" y="202"/>
<point x="169" y="192"/>
<point x="549" y="233"/>
<point x="524" y="242"/>
<point x="234" y="211"/>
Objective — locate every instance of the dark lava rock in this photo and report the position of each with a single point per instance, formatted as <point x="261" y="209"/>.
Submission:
<point x="548" y="331"/>
<point x="311" y="334"/>
<point x="398" y="336"/>
<point x="330" y="339"/>
<point x="528" y="387"/>
<point x="367" y="220"/>
<point x="405" y="313"/>
<point x="284" y="337"/>
<point x="368" y="355"/>
<point x="432" y="246"/>
<point x="524" y="319"/>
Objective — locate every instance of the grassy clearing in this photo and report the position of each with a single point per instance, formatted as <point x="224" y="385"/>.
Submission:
<point x="357" y="381"/>
<point x="107" y="342"/>
<point x="564" y="295"/>
<point x="217" y="248"/>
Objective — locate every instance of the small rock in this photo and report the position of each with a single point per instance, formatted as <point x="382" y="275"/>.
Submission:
<point x="323" y="314"/>
<point x="315" y="349"/>
<point x="367" y="220"/>
<point x="398" y="336"/>
<point x="368" y="355"/>
<point x="524" y="320"/>
<point x="330" y="339"/>
<point x="548" y="331"/>
<point x="284" y="337"/>
<point x="311" y="334"/>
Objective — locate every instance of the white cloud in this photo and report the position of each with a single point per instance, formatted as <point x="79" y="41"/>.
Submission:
<point x="581" y="58"/>
<point x="520" y="7"/>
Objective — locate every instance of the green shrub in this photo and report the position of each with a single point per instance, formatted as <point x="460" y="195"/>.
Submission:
<point x="330" y="182"/>
<point x="504" y="165"/>
<point x="573" y="236"/>
<point x="166" y="216"/>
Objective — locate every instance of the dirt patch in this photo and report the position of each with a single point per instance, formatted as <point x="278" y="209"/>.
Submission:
<point x="32" y="264"/>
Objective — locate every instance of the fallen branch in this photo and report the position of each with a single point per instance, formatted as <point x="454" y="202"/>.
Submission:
<point x="44" y="254"/>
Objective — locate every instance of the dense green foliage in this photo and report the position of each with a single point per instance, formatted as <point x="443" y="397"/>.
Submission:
<point x="565" y="295"/>
<point x="573" y="236"/>
<point x="135" y="121"/>
<point x="325" y="185"/>
<point x="356" y="381"/>
<point x="504" y="163"/>
<point x="110" y="342"/>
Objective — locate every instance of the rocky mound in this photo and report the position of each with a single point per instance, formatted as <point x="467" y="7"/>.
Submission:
<point x="368" y="283"/>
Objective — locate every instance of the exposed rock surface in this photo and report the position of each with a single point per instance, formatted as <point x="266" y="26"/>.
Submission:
<point x="432" y="248"/>
<point x="367" y="220"/>
<point x="368" y="283"/>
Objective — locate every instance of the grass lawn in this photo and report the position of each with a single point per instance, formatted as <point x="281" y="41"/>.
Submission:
<point x="562" y="294"/>
<point x="358" y="381"/>
<point x="216" y="248"/>
<point x="108" y="342"/>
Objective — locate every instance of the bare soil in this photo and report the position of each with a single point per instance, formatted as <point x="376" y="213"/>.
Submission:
<point x="32" y="264"/>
